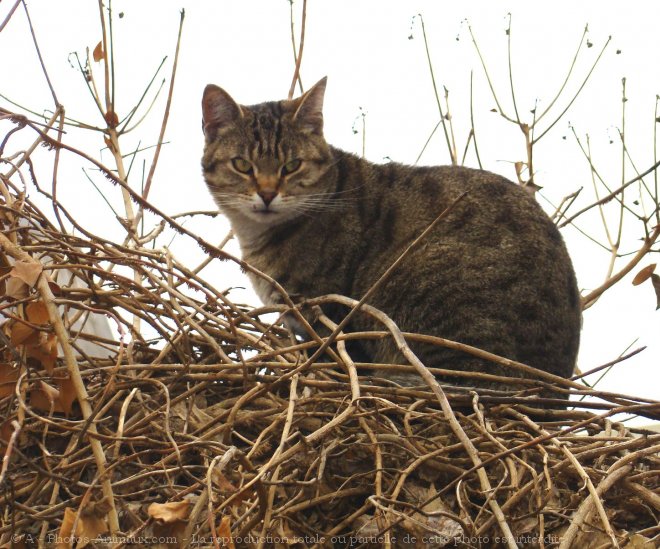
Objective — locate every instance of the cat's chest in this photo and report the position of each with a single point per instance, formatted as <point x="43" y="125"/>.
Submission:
<point x="274" y="260"/>
<point x="297" y="264"/>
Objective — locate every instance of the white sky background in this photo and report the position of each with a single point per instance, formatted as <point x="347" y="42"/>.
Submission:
<point x="364" y="49"/>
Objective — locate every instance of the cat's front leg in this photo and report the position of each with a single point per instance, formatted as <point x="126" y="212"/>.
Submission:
<point x="292" y="319"/>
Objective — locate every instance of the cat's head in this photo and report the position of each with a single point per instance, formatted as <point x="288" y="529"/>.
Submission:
<point x="266" y="163"/>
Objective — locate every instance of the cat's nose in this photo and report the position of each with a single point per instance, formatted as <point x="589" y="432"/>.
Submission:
<point x="267" y="196"/>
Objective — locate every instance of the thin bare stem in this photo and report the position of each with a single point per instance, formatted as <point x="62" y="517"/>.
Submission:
<point x="9" y="15"/>
<point x="591" y="297"/>
<point x="109" y="107"/>
<point x="575" y="96"/>
<point x="568" y="75"/>
<point x="41" y="60"/>
<point x="293" y="44"/>
<point x="298" y="58"/>
<point x="454" y="160"/>
<point x="488" y="79"/>
<point x="161" y="137"/>
<point x="612" y="195"/>
<point x="473" y="131"/>
<point x="512" y="87"/>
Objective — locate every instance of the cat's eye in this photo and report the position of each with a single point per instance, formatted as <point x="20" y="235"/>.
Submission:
<point x="241" y="165"/>
<point x="291" y="166"/>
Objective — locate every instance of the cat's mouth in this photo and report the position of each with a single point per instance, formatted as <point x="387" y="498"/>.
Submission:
<point x="264" y="210"/>
<point x="265" y="214"/>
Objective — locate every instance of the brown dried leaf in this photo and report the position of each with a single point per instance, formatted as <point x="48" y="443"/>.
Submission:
<point x="37" y="313"/>
<point x="591" y="539"/>
<point x="222" y="483"/>
<point x="55" y="288"/>
<point x="519" y="168"/>
<point x="171" y="534"/>
<point x="638" y="541"/>
<point x="109" y="144"/>
<point x="98" y="52"/>
<point x="367" y="526"/>
<point x="66" y="528"/>
<point x="44" y="351"/>
<point x="224" y="532"/>
<point x="22" y="334"/>
<point x="98" y="508"/>
<point x="27" y="272"/>
<point x="170" y="511"/>
<point x="446" y="529"/>
<point x="111" y="119"/>
<point x="67" y="394"/>
<point x="8" y="379"/>
<point x="88" y="528"/>
<point x="17" y="542"/>
<point x="16" y="288"/>
<point x="39" y="345"/>
<point x="45" y="397"/>
<point x="655" y="279"/>
<point x="286" y="534"/>
<point x="642" y="275"/>
<point x="6" y="429"/>
<point x="3" y="282"/>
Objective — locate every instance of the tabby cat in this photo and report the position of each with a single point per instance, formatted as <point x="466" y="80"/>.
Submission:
<point x="494" y="273"/>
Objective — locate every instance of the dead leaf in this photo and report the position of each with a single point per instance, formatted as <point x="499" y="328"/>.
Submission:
<point x="66" y="528"/>
<point x="638" y="541"/>
<point x="591" y="539"/>
<point x="22" y="334"/>
<point x="27" y="272"/>
<point x="222" y="483"/>
<point x="39" y="345"/>
<point x="55" y="288"/>
<point x="224" y="533"/>
<point x="37" y="313"/>
<point x="44" y="351"/>
<point x="16" y="288"/>
<point x="655" y="279"/>
<point x="170" y="511"/>
<point x="8" y="379"/>
<point x="17" y="542"/>
<point x="98" y="52"/>
<point x="171" y="535"/>
<point x="3" y="281"/>
<point x="642" y="275"/>
<point x="111" y="119"/>
<point x="109" y="144"/>
<point x="287" y="536"/>
<point x="171" y="520"/>
<point x="519" y="168"/>
<point x="67" y="394"/>
<point x="446" y="529"/>
<point x="90" y="525"/>
<point x="7" y="429"/>
<point x="367" y="526"/>
<point x="99" y="508"/>
<point x="45" y="397"/>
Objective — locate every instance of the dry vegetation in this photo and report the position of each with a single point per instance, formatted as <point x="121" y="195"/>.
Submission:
<point x="217" y="429"/>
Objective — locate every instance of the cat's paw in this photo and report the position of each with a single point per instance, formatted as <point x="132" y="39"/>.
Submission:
<point x="292" y="319"/>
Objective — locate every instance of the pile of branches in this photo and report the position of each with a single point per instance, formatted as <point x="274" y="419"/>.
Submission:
<point x="197" y="422"/>
<point x="141" y="407"/>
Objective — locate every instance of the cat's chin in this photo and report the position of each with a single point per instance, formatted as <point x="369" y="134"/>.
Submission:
<point x="266" y="217"/>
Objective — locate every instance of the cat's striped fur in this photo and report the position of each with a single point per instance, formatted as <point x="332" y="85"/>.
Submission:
<point x="494" y="274"/>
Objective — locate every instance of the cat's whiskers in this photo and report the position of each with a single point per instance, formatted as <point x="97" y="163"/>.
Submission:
<point x="230" y="199"/>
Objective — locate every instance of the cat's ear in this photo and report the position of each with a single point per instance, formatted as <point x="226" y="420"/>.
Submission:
<point x="218" y="109"/>
<point x="309" y="110"/>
